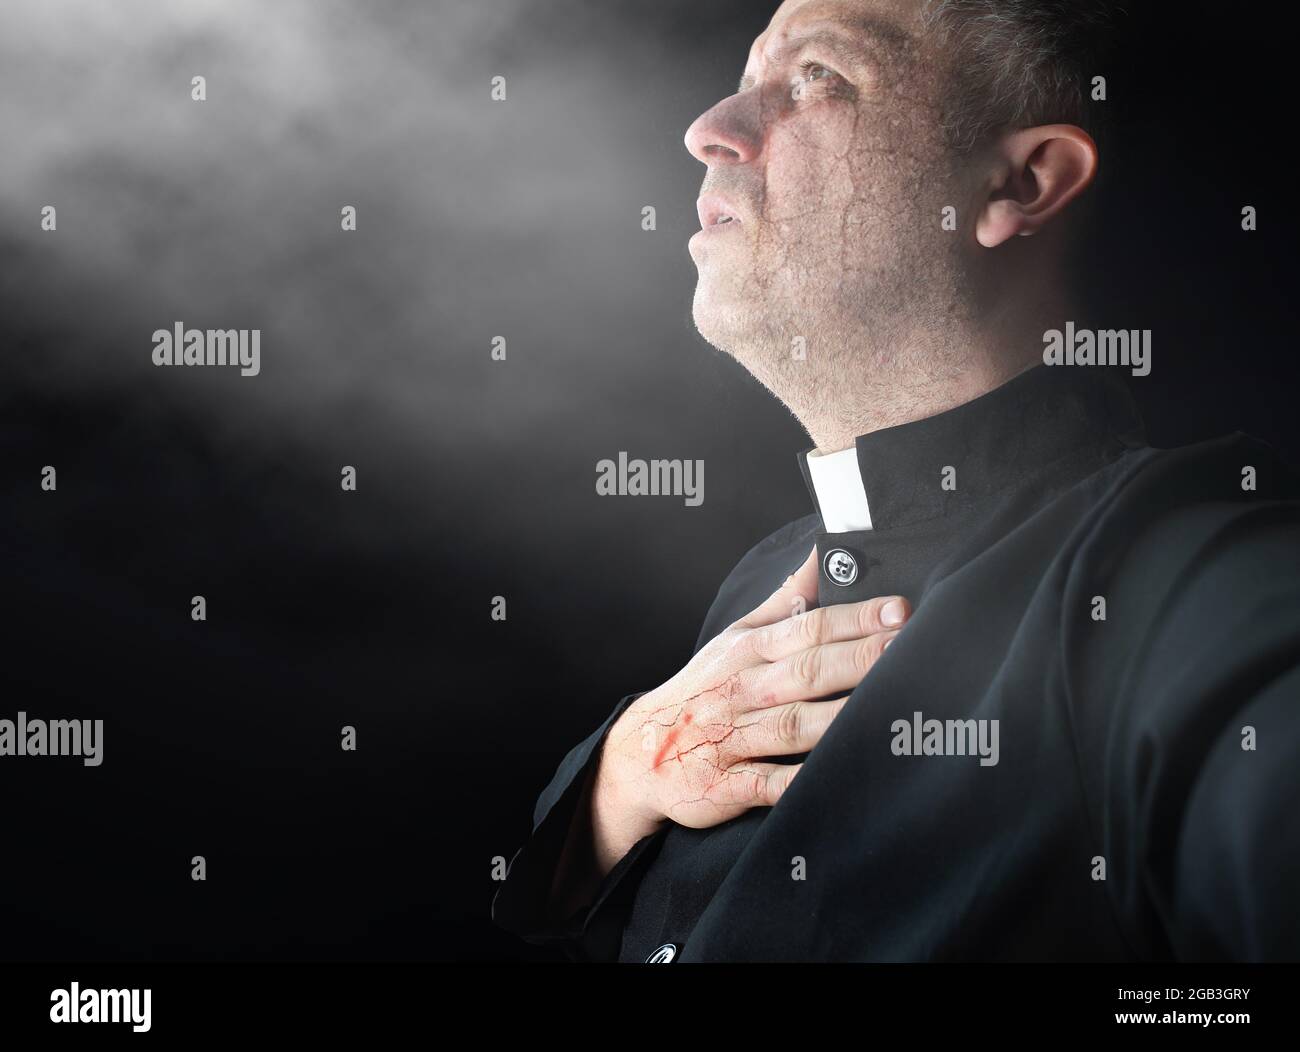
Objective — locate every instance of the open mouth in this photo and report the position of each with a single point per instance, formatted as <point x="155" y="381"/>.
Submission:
<point x="716" y="211"/>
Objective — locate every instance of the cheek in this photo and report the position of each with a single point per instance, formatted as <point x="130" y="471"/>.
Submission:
<point x="807" y="171"/>
<point x="846" y="165"/>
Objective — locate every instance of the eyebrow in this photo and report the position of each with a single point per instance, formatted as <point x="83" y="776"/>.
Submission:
<point x="845" y="39"/>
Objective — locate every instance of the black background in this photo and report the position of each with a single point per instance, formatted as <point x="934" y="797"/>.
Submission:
<point x="476" y="478"/>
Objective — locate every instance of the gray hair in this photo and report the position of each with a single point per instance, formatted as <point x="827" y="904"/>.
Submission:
<point x="1020" y="63"/>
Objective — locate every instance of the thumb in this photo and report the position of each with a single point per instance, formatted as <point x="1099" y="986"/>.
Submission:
<point x="797" y="594"/>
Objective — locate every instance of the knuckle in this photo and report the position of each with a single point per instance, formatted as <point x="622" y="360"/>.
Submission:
<point x="867" y="652"/>
<point x="750" y="788"/>
<point x="737" y="785"/>
<point x="869" y="617"/>
<point x="734" y="687"/>
<point x="812" y="627"/>
<point x="806" y="668"/>
<point x="770" y="645"/>
<point x="775" y="784"/>
<point x="788" y="724"/>
<point x="704" y="712"/>
<point x="742" y="642"/>
<point x="756" y="788"/>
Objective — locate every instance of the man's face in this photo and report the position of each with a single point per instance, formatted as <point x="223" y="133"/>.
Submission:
<point x="830" y="159"/>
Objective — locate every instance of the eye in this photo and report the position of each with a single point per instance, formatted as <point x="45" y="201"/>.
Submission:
<point x="811" y="70"/>
<point x="810" y="73"/>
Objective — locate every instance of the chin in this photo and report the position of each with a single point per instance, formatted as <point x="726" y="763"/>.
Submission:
<point x="717" y="322"/>
<point x="733" y="317"/>
<point x="722" y="304"/>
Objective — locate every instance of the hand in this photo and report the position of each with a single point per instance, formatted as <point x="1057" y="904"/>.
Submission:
<point x="689" y="750"/>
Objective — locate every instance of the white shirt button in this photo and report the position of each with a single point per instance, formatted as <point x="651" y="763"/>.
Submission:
<point x="840" y="566"/>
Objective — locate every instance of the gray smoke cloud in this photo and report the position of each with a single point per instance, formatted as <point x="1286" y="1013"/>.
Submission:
<point x="226" y="212"/>
<point x="476" y="219"/>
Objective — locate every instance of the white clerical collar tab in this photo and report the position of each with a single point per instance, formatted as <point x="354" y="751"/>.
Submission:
<point x="840" y="495"/>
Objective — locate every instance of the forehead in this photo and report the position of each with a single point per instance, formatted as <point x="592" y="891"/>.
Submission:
<point x="892" y="25"/>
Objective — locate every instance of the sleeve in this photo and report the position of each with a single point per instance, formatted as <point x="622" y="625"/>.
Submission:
<point x="594" y="932"/>
<point x="1201" y="777"/>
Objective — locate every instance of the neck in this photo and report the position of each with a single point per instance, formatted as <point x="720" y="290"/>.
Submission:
<point x="920" y="374"/>
<point x="874" y="406"/>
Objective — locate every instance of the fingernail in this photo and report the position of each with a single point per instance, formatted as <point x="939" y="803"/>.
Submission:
<point x="893" y="613"/>
<point x="887" y="642"/>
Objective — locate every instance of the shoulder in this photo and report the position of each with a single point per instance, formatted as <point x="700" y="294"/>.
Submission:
<point x="1186" y="574"/>
<point x="1157" y="510"/>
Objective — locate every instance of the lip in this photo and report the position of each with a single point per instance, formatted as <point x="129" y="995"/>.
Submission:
<point x="712" y="207"/>
<point x="708" y="233"/>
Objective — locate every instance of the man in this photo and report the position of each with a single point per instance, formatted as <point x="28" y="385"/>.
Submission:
<point x="1082" y="740"/>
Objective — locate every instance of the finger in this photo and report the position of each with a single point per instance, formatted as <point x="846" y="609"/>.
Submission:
<point x="787" y="730"/>
<point x="816" y="672"/>
<point x="796" y="595"/>
<point x="828" y="624"/>
<point x="752" y="784"/>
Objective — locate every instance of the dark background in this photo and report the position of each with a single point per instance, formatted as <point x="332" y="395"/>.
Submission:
<point x="476" y="479"/>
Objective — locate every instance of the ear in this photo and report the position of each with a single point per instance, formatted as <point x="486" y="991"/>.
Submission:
<point x="1036" y="172"/>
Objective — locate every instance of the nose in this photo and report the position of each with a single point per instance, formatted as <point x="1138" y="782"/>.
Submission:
<point x="729" y="133"/>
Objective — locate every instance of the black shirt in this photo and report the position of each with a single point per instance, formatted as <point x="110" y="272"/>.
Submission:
<point x="1129" y="617"/>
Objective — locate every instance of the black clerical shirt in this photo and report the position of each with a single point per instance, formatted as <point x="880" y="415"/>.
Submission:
<point x="1125" y="620"/>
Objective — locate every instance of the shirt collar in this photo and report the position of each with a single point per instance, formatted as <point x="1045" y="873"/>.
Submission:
<point x="837" y="489"/>
<point x="1040" y="421"/>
